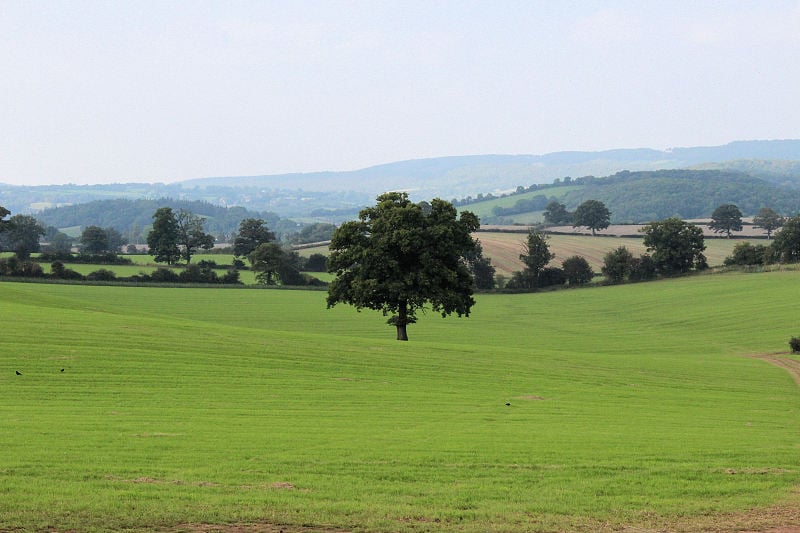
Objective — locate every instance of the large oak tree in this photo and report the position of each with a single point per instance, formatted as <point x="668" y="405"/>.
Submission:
<point x="398" y="257"/>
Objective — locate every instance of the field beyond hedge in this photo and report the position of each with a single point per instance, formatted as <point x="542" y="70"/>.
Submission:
<point x="596" y="409"/>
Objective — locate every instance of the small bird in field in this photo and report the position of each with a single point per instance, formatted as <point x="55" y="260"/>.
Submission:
<point x="62" y="369"/>
<point x="508" y="404"/>
<point x="18" y="372"/>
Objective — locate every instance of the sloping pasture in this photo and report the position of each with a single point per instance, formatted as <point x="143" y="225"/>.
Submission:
<point x="631" y="405"/>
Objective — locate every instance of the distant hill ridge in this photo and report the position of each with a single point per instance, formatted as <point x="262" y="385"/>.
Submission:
<point x="446" y="176"/>
<point x="339" y="193"/>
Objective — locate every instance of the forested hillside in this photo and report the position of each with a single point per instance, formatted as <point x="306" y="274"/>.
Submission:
<point x="644" y="196"/>
<point x="132" y="217"/>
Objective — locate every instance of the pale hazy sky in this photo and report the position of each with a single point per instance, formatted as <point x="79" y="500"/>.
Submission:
<point x="142" y="90"/>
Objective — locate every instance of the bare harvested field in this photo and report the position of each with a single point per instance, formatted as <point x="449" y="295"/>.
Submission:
<point x="504" y="247"/>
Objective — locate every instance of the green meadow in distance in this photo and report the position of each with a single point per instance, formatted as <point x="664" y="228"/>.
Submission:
<point x="629" y="405"/>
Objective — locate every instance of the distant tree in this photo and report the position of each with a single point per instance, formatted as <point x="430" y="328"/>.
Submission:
<point x="676" y="246"/>
<point x="268" y="261"/>
<point x="769" y="220"/>
<point x="115" y="240"/>
<point x="396" y="259"/>
<point x="191" y="235"/>
<point x="20" y="234"/>
<point x="94" y="240"/>
<point x="550" y="276"/>
<point x="555" y="213"/>
<point x="725" y="219"/>
<point x="317" y="232"/>
<point x="617" y="264"/>
<point x="316" y="263"/>
<point x="593" y="214"/>
<point x="787" y="241"/>
<point x="481" y="268"/>
<point x="643" y="268"/>
<point x="163" y="238"/>
<point x="746" y="254"/>
<point x="252" y="232"/>
<point x="536" y="254"/>
<point x="60" y="243"/>
<point x="577" y="270"/>
<point x="102" y="274"/>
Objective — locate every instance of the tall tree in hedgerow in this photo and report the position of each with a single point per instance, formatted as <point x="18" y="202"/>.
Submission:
<point x="787" y="241"/>
<point x="593" y="214"/>
<point x="535" y="256"/>
<point x="163" y="238"/>
<point x="397" y="258"/>
<point x="252" y="233"/>
<point x="725" y="219"/>
<point x="191" y="234"/>
<point x="676" y="246"/>
<point x="769" y="220"/>
<point x="20" y="234"/>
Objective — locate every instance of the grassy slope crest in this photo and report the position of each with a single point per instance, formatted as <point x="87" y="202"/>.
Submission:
<point x="628" y="404"/>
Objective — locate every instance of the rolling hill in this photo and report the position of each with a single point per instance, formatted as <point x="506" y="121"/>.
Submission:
<point x="335" y="195"/>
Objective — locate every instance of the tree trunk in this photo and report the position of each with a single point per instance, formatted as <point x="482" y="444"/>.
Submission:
<point x="402" y="321"/>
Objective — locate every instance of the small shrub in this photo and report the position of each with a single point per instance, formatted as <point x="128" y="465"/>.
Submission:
<point x="101" y="275"/>
<point x="164" y="275"/>
<point x="794" y="344"/>
<point x="550" y="276"/>
<point x="577" y="270"/>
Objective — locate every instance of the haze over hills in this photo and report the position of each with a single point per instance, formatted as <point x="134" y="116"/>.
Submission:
<point x="301" y="195"/>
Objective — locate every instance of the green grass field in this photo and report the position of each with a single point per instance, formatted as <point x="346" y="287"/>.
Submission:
<point x="634" y="405"/>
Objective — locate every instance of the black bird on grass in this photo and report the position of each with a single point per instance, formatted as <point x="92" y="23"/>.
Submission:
<point x="18" y="372"/>
<point x="508" y="404"/>
<point x="62" y="369"/>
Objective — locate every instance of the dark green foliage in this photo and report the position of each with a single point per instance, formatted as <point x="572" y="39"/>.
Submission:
<point x="676" y="246"/>
<point x="745" y="254"/>
<point x="577" y="270"/>
<point x="164" y="275"/>
<point x="16" y="267"/>
<point x="642" y="268"/>
<point x="481" y="268"/>
<point x="163" y="238"/>
<point x="725" y="219"/>
<point x="252" y="232"/>
<point x="231" y="277"/>
<point x="132" y="217"/>
<point x="59" y="271"/>
<point x="318" y="232"/>
<point x="536" y="254"/>
<point x="551" y="276"/>
<point x="617" y="264"/>
<point x="60" y="243"/>
<point x="198" y="274"/>
<point x="191" y="235"/>
<point x="637" y="197"/>
<point x="20" y="234"/>
<point x="787" y="241"/>
<point x="592" y="214"/>
<point x="556" y="214"/>
<point x="94" y="240"/>
<point x="101" y="275"/>
<point x="266" y="261"/>
<point x="396" y="259"/>
<point x="768" y="220"/>
<point x="108" y="258"/>
<point x="316" y="263"/>
<point x="794" y="344"/>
